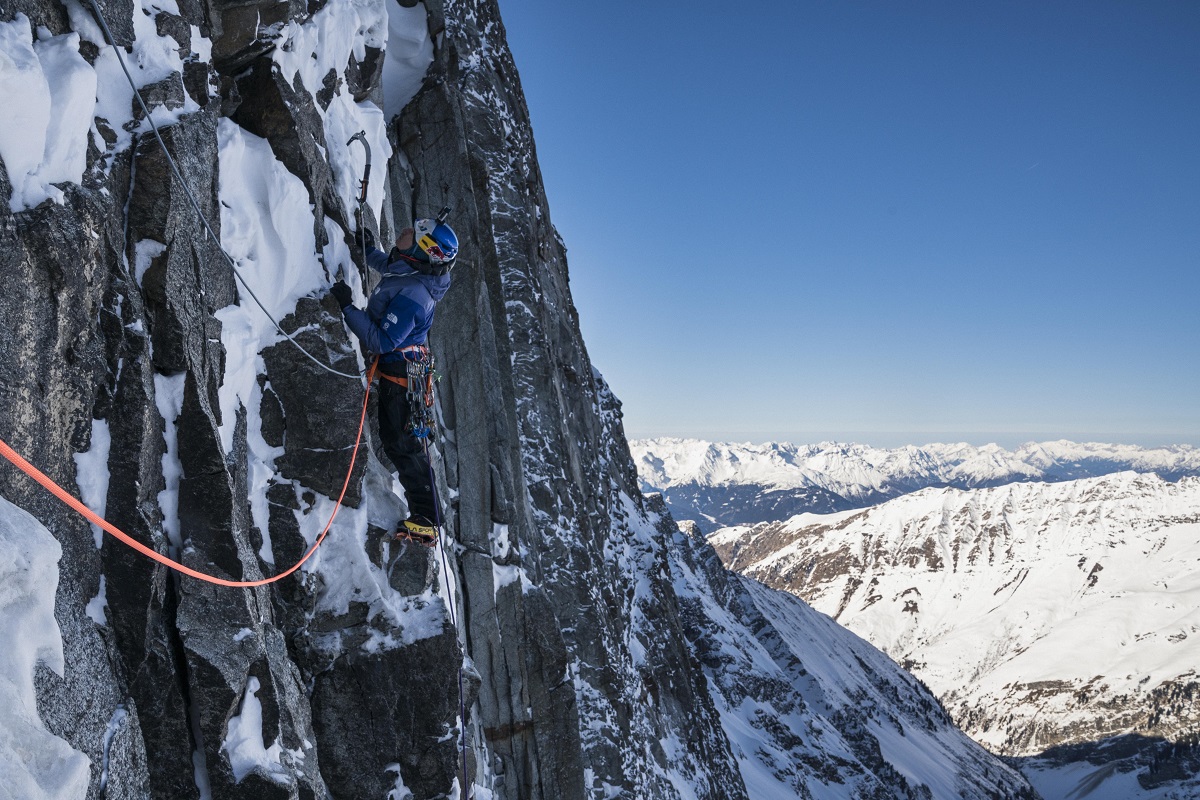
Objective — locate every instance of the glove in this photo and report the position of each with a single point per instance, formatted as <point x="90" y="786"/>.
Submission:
<point x="363" y="230"/>
<point x="341" y="292"/>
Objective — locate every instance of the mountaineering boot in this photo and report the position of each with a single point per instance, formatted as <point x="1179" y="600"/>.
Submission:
<point x="417" y="529"/>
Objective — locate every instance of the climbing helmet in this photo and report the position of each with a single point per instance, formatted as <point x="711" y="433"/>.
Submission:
<point x="436" y="240"/>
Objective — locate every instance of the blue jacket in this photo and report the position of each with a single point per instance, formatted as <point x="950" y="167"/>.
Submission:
<point x="400" y="310"/>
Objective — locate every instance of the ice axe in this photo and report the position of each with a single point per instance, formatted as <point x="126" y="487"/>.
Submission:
<point x="361" y="138"/>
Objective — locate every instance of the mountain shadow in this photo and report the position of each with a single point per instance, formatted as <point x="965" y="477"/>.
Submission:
<point x="1154" y="763"/>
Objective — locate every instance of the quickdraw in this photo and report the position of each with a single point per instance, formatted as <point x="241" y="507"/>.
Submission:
<point x="420" y="377"/>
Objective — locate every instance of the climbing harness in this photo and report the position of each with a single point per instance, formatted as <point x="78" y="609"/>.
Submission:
<point x="196" y="205"/>
<point x="65" y="496"/>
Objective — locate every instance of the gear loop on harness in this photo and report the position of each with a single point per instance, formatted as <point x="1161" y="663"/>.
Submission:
<point x="418" y="382"/>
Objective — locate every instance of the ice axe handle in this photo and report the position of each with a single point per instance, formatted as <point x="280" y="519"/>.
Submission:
<point x="361" y="138"/>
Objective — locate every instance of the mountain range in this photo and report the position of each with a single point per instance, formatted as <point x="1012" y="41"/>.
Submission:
<point x="738" y="484"/>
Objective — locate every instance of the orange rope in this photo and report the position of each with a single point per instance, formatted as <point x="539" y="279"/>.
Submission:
<point x="65" y="496"/>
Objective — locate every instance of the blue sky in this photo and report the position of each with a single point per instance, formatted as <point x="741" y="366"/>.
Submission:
<point x="883" y="221"/>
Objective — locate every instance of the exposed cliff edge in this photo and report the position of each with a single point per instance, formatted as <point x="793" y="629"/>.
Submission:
<point x="607" y="654"/>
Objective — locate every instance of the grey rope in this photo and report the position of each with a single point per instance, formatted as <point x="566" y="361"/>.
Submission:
<point x="196" y="205"/>
<point x="468" y="785"/>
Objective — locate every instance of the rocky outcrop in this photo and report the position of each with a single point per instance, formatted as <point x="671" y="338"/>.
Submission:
<point x="561" y="643"/>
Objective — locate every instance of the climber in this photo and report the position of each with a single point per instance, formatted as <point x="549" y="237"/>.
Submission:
<point x="394" y="326"/>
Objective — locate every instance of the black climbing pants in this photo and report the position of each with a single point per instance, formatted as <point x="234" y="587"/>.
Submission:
<point x="406" y="451"/>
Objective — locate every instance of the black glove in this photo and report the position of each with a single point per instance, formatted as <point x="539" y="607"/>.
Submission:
<point x="367" y="237"/>
<point x="341" y="292"/>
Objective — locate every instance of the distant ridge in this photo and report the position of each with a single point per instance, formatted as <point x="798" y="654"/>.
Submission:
<point x="743" y="484"/>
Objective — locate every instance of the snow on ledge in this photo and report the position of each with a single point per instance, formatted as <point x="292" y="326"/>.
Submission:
<point x="244" y="741"/>
<point x="49" y="93"/>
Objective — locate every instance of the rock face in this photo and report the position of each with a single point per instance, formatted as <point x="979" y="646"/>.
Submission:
<point x="1057" y="622"/>
<point x="596" y="650"/>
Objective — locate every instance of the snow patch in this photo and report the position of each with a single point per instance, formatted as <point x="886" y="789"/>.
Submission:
<point x="168" y="398"/>
<point x="266" y="228"/>
<point x="409" y="54"/>
<point x="145" y="252"/>
<point x="399" y="791"/>
<point x="92" y="475"/>
<point x="34" y="764"/>
<point x="506" y="574"/>
<point x="57" y="103"/>
<point x="84" y="24"/>
<point x="120" y="714"/>
<point x="50" y="95"/>
<point x="244" y="744"/>
<point x="311" y="51"/>
<point x="95" y="607"/>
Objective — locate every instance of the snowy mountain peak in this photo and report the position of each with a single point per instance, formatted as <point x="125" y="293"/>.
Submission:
<point x="745" y="483"/>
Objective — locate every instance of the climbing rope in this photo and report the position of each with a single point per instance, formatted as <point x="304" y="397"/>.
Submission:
<point x="65" y="496"/>
<point x="462" y="702"/>
<point x="78" y="506"/>
<point x="196" y="205"/>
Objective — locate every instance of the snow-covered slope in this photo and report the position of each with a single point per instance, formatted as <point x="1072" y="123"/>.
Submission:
<point x="739" y="484"/>
<point x="1044" y="616"/>
<point x="810" y="709"/>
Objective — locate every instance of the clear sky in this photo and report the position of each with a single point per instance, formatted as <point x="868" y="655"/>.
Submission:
<point x="882" y="221"/>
